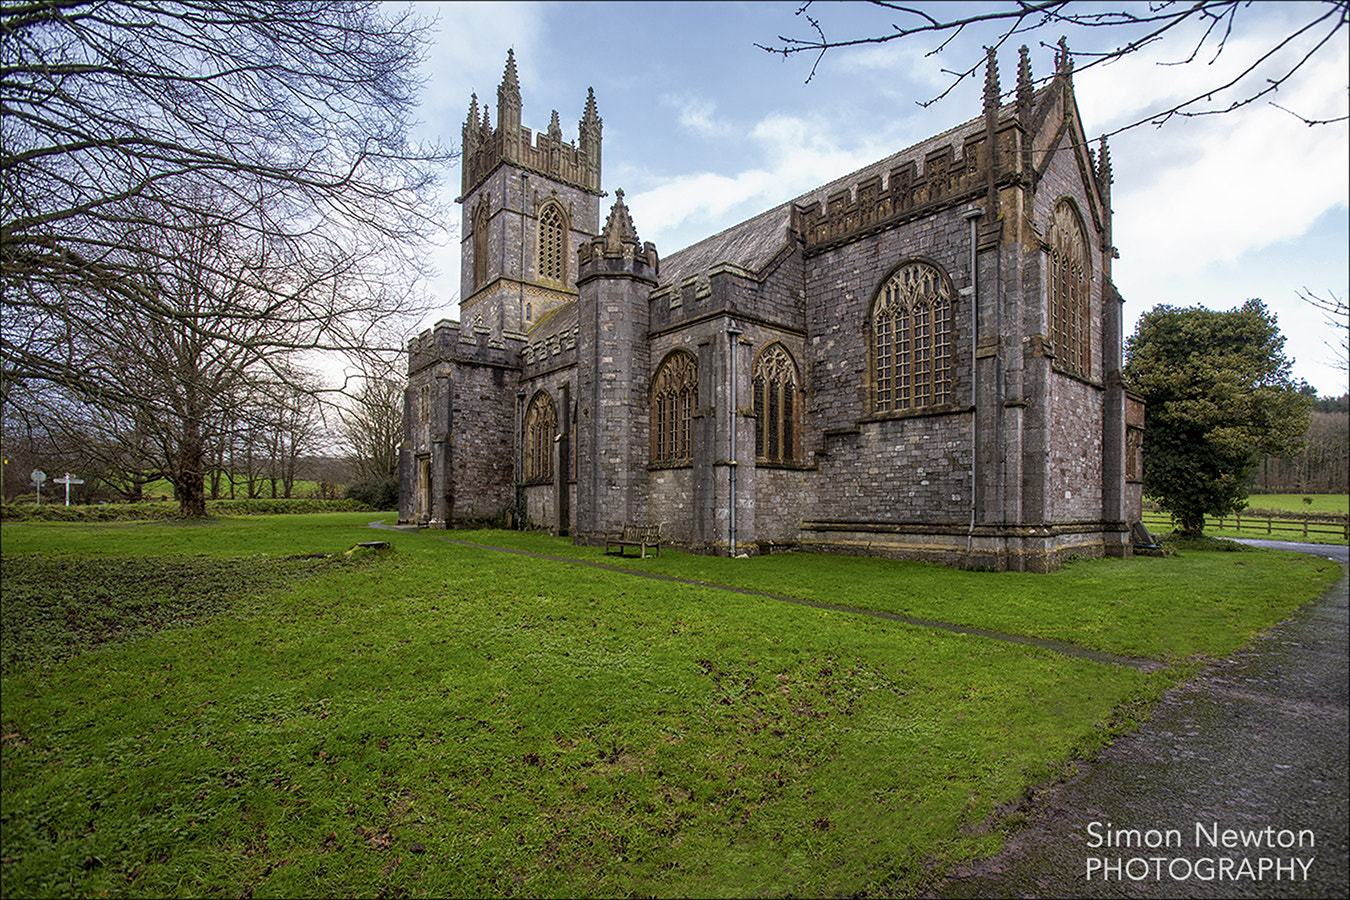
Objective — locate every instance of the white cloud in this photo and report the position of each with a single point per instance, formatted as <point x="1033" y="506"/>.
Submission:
<point x="1257" y="188"/>
<point x="793" y="156"/>
<point x="698" y="114"/>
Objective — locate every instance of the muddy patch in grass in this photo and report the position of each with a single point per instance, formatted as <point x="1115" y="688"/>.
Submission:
<point x="58" y="607"/>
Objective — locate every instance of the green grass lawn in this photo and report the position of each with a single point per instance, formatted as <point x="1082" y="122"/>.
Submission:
<point x="210" y="708"/>
<point x="1324" y="503"/>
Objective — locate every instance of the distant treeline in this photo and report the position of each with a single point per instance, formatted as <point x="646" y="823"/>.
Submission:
<point x="1324" y="465"/>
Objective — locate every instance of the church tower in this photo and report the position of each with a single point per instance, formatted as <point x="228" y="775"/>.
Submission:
<point x="529" y="201"/>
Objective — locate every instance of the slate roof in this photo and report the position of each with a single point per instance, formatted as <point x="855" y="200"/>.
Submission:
<point x="754" y="242"/>
<point x="562" y="320"/>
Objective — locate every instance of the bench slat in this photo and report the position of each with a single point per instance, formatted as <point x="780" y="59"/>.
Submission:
<point x="635" y="535"/>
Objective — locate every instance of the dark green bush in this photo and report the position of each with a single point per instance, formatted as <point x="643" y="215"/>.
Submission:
<point x="261" y="506"/>
<point x="129" y="512"/>
<point x="106" y="512"/>
<point x="377" y="493"/>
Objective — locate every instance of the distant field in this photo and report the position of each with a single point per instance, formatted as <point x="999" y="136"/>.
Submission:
<point x="1323" y="531"/>
<point x="163" y="489"/>
<point x="1327" y="503"/>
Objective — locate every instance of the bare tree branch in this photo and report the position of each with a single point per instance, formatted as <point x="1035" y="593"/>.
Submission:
<point x="195" y="192"/>
<point x="291" y="117"/>
<point x="1338" y="318"/>
<point x="1145" y="25"/>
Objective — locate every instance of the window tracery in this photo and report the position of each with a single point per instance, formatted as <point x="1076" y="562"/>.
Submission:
<point x="1070" y="291"/>
<point x="480" y="246"/>
<point x="553" y="243"/>
<point x="774" y="379"/>
<point x="541" y="425"/>
<point x="912" y="340"/>
<point x="674" y="398"/>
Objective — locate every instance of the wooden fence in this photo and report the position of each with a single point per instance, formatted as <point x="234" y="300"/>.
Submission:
<point x="1274" y="528"/>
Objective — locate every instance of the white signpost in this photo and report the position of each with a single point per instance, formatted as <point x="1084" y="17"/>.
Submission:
<point x="68" y="481"/>
<point x="38" y="477"/>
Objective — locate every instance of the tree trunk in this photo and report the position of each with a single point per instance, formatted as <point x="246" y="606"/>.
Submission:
<point x="190" y="480"/>
<point x="1189" y="522"/>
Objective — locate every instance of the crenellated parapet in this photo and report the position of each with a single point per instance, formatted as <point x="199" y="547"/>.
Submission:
<point x="914" y="188"/>
<point x="449" y="340"/>
<point x="549" y="352"/>
<point x="1007" y="146"/>
<point x="546" y="153"/>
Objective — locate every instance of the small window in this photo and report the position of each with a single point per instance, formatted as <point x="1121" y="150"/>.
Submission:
<point x="553" y="243"/>
<point x="480" y="246"/>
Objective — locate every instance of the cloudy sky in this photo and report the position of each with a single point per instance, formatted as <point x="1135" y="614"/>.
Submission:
<point x="703" y="130"/>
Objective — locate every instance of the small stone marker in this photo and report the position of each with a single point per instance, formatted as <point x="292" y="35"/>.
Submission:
<point x="68" y="481"/>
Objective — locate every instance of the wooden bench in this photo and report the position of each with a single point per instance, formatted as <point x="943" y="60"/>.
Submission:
<point x="634" y="535"/>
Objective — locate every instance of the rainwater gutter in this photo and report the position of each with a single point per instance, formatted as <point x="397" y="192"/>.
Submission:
<point x="733" y="334"/>
<point x="971" y="216"/>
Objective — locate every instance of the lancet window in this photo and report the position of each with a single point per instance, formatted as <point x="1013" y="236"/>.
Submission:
<point x="1070" y="291"/>
<point x="541" y="425"/>
<point x="480" y="247"/>
<point x="674" y="398"/>
<point x="774" y="379"/>
<point x="553" y="243"/>
<point x="912" y="340"/>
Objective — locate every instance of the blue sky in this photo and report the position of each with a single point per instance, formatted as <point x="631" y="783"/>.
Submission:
<point x="703" y="130"/>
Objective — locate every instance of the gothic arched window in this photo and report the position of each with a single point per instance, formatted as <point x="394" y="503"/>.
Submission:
<point x="1070" y="291"/>
<point x="912" y="340"/>
<point x="480" y="246"/>
<point x="774" y="379"/>
<point x="553" y="243"/>
<point x="541" y="425"/>
<point x="674" y="397"/>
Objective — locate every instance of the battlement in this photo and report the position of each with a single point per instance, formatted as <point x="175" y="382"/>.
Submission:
<point x="449" y="340"/>
<point x="551" y="351"/>
<point x="913" y="187"/>
<point x="595" y="258"/>
<point x="547" y="155"/>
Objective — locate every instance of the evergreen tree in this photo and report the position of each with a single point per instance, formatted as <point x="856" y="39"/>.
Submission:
<point x="1219" y="396"/>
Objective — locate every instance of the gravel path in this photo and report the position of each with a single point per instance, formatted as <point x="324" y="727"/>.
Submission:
<point x="1257" y="744"/>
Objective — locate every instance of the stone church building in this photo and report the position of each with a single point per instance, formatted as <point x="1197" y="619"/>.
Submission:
<point x="919" y="359"/>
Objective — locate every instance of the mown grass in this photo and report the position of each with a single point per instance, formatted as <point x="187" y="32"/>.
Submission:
<point x="1323" y="503"/>
<point x="446" y="720"/>
<point x="1201" y="603"/>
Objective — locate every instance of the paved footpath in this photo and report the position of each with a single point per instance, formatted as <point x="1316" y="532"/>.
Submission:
<point x="1257" y="744"/>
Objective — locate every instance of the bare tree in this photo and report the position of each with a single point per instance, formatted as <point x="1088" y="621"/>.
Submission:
<point x="1127" y="29"/>
<point x="372" y="425"/>
<point x="193" y="192"/>
<point x="1337" y="318"/>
